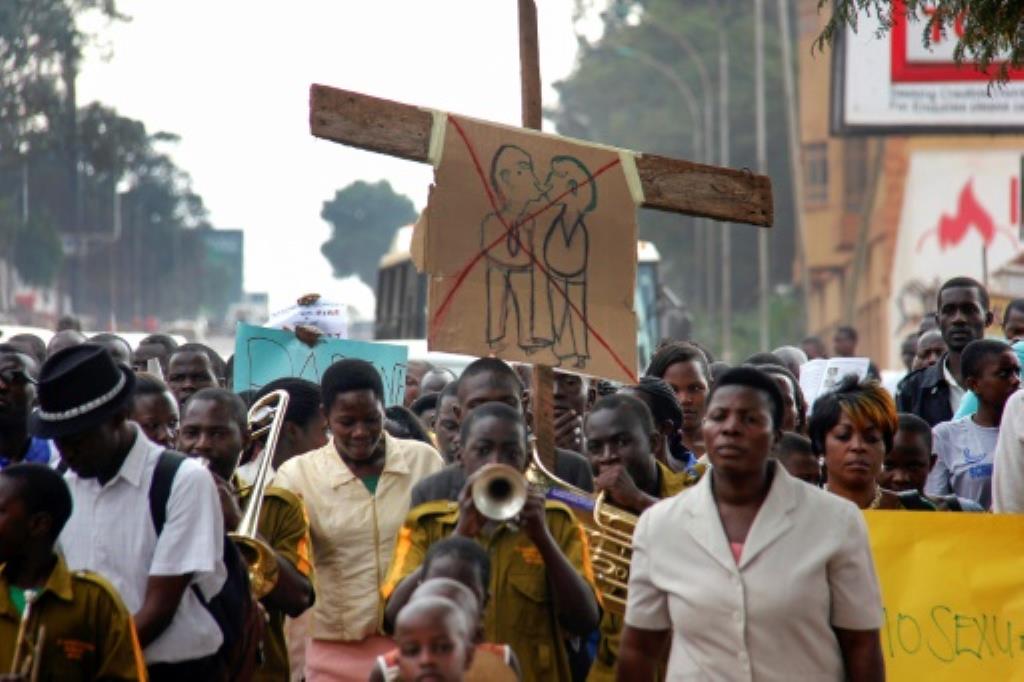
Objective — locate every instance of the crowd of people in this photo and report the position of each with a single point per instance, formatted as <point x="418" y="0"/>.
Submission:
<point x="124" y="474"/>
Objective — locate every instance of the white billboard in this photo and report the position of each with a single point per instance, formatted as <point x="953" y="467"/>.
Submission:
<point x="959" y="218"/>
<point x="893" y="83"/>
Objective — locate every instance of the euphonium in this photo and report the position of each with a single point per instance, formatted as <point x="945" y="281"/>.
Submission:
<point x="609" y="530"/>
<point x="266" y="416"/>
<point x="499" y="492"/>
<point x="28" y="652"/>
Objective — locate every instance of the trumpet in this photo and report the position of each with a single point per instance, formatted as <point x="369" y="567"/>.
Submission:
<point x="28" y="652"/>
<point x="266" y="416"/>
<point x="499" y="492"/>
<point x="608" y="528"/>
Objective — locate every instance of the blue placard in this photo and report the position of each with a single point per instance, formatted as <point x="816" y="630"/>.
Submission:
<point x="262" y="355"/>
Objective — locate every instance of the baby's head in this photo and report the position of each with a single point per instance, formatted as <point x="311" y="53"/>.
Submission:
<point x="434" y="637"/>
<point x="457" y="593"/>
<point x="462" y="560"/>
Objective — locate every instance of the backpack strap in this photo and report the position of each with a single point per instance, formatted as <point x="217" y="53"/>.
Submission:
<point x="160" y="487"/>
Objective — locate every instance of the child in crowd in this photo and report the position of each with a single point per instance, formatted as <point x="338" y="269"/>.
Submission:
<point x="155" y="410"/>
<point x="73" y="625"/>
<point x="965" y="446"/>
<point x="795" y="454"/>
<point x="434" y="638"/>
<point x="905" y="467"/>
<point x="452" y="564"/>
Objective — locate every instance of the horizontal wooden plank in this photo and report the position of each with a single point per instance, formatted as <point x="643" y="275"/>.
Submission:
<point x="726" y="194"/>
<point x="371" y="123"/>
<point x="673" y="185"/>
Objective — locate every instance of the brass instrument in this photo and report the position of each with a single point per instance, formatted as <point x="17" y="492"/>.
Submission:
<point x="266" y="416"/>
<point x="609" y="530"/>
<point x="28" y="652"/>
<point x="499" y="492"/>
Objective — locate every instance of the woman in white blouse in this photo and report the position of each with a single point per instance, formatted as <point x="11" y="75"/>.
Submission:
<point x="751" y="574"/>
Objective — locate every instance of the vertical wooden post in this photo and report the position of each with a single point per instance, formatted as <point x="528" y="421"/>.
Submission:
<point x="542" y="394"/>
<point x="529" y="64"/>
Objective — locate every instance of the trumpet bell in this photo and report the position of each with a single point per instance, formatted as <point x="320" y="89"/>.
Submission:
<point x="261" y="562"/>
<point x="499" y="492"/>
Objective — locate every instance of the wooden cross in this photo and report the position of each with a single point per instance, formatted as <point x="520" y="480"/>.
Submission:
<point x="673" y="185"/>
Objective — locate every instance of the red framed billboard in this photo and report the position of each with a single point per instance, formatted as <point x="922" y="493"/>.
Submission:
<point x="912" y="62"/>
<point x="894" y="83"/>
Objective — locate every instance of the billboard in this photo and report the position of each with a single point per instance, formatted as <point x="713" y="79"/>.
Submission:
<point x="959" y="217"/>
<point x="893" y="83"/>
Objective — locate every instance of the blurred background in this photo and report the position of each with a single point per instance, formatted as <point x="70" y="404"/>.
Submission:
<point x="157" y="172"/>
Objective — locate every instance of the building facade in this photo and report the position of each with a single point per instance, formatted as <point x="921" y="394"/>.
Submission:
<point x="900" y="190"/>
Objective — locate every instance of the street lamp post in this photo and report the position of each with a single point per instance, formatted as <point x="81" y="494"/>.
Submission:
<point x="723" y="142"/>
<point x="686" y="93"/>
<point x="762" y="167"/>
<point x="708" y="101"/>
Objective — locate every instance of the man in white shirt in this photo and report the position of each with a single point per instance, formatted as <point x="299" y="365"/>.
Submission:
<point x="84" y="405"/>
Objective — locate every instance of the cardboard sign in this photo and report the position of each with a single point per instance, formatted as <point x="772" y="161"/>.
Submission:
<point x="953" y="593"/>
<point x="262" y="355"/>
<point x="530" y="244"/>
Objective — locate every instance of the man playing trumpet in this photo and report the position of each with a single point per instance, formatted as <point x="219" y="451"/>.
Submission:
<point x="541" y="581"/>
<point x="64" y="625"/>
<point x="215" y="427"/>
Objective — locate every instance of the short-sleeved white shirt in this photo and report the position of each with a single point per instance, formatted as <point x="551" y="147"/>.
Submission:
<point x="966" y="452"/>
<point x="805" y="568"/>
<point x="111" y="533"/>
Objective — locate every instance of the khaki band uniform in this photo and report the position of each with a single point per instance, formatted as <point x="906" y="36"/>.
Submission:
<point x="89" y="632"/>
<point x="603" y="669"/>
<point x="521" y="612"/>
<point x="284" y="526"/>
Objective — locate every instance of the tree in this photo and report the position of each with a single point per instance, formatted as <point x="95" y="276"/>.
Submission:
<point x="989" y="30"/>
<point x="37" y="252"/>
<point x="364" y="218"/>
<point x="72" y="160"/>
<point x="622" y="92"/>
<point x="41" y="46"/>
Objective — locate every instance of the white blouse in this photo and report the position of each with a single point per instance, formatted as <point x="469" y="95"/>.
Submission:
<point x="805" y="568"/>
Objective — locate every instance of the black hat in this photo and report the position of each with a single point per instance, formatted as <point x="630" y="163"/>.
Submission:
<point x="78" y="388"/>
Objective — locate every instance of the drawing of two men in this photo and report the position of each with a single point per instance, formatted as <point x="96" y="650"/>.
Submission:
<point x="540" y="278"/>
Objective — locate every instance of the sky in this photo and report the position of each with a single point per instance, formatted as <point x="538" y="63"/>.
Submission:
<point x="232" y="79"/>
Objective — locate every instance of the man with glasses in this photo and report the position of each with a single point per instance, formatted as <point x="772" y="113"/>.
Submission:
<point x="17" y="398"/>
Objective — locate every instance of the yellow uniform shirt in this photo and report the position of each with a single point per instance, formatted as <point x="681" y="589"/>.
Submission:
<point x="89" y="632"/>
<point x="603" y="669"/>
<point x="284" y="526"/>
<point x="521" y="612"/>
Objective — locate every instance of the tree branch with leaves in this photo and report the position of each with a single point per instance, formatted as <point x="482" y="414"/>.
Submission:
<point x="989" y="32"/>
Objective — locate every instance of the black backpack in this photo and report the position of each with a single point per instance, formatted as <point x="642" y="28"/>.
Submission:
<point x="237" y="614"/>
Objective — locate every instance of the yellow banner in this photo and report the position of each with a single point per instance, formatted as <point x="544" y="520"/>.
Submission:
<point x="953" y="591"/>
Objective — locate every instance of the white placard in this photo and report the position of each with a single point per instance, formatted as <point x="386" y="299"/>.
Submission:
<point x="329" y="317"/>
<point x="819" y="376"/>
